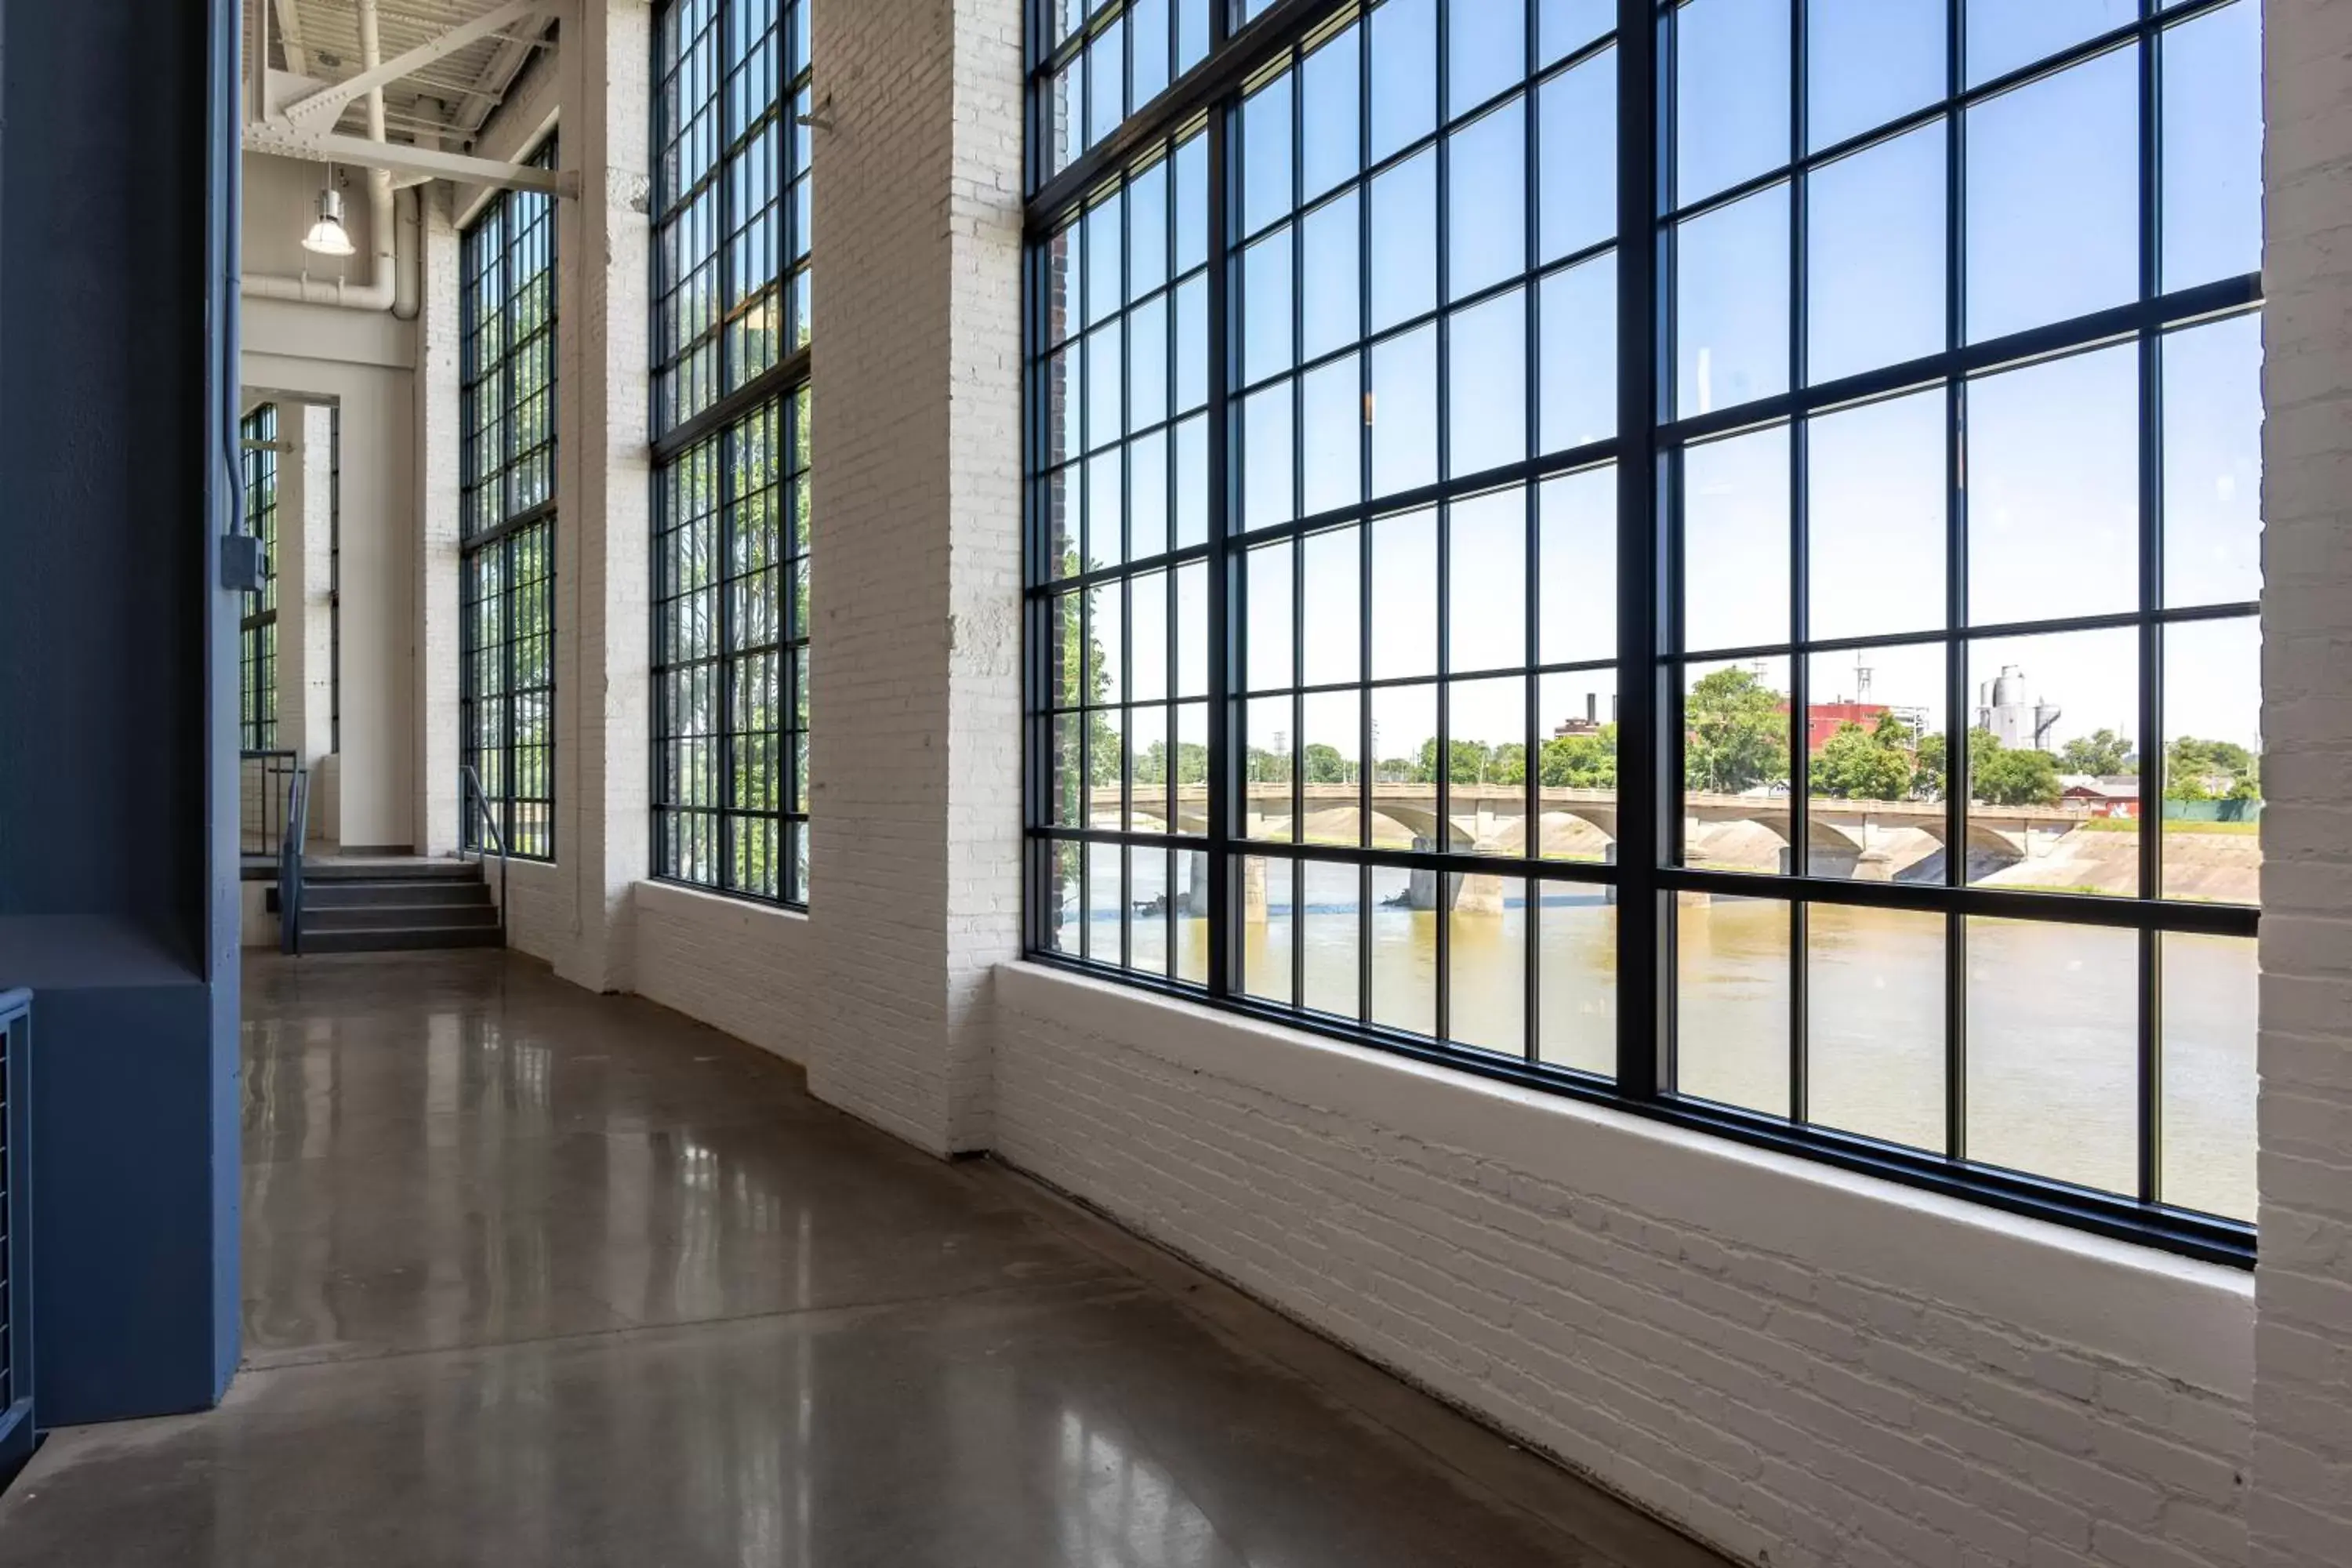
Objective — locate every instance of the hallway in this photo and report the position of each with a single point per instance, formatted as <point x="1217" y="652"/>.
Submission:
<point x="533" y="1276"/>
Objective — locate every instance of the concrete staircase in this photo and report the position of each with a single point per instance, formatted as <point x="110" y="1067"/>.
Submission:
<point x="393" y="907"/>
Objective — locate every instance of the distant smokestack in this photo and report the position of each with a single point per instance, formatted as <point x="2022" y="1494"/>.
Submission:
<point x="1592" y="707"/>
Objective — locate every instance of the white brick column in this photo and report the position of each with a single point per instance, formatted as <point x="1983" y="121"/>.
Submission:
<point x="2300" y="1503"/>
<point x="440" y="471"/>
<point x="915" y="753"/>
<point x="604" y="479"/>
<point x="306" y="495"/>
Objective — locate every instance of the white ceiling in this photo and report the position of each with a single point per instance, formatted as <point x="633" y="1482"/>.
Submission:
<point x="445" y="103"/>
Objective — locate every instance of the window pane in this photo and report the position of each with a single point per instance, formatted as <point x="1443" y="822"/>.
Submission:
<point x="1266" y="770"/>
<point x="1736" y="541"/>
<point x="2053" y="455"/>
<point x="1266" y="294"/>
<point x="1577" y="1011"/>
<point x="2213" y="150"/>
<point x="1331" y="752"/>
<point x="1731" y="93"/>
<point x="2006" y="34"/>
<point x="2213" y="463"/>
<point x="1870" y="62"/>
<point x="1875" y="1021"/>
<point x="1332" y="301"/>
<point x="1563" y="26"/>
<point x="2054" y="1052"/>
<point x="1485" y="48"/>
<point x="1486" y="577"/>
<point x="1404" y="950"/>
<point x="1146" y="910"/>
<point x="1268" y="911"/>
<point x="1487" y="953"/>
<point x="1332" y="82"/>
<point x="1333" y="448"/>
<point x="1270" y="665"/>
<point x="1736" y="764"/>
<point x="1486" y="762"/>
<point x="1486" y="384"/>
<point x="2054" y="197"/>
<point x="2213" y="761"/>
<point x="1404" y="240"/>
<point x="1731" y="1001"/>
<point x="1404" y="81"/>
<point x="2053" y="805"/>
<point x="1266" y="192"/>
<point x="1485" y="218"/>
<point x="1332" y="923"/>
<point x="1405" y="595"/>
<point x="1576" y="720"/>
<point x="1577" y="568"/>
<point x="1267" y="438"/>
<point x="1576" y="119"/>
<point x="1334" y="630"/>
<point x="1876" y="498"/>
<point x="1875" y="255"/>
<point x="1869" y="715"/>
<point x="1577" y="310"/>
<point x="1731" y="293"/>
<point x="1403" y="415"/>
<point x="2211" y="1000"/>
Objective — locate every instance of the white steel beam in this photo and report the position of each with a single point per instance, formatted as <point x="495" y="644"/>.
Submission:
<point x="290" y="31"/>
<point x="325" y="107"/>
<point x="400" y="158"/>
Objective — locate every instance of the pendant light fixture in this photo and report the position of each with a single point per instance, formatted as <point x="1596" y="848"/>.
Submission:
<point x="327" y="237"/>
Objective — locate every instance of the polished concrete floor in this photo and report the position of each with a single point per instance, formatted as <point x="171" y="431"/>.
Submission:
<point x="537" y="1277"/>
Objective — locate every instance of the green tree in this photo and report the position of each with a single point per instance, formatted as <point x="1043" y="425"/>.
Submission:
<point x="2016" y="777"/>
<point x="1738" y="732"/>
<point x="1324" y="764"/>
<point x="2103" y="753"/>
<point x="1581" y="761"/>
<point x="1862" y="764"/>
<point x="2209" y="770"/>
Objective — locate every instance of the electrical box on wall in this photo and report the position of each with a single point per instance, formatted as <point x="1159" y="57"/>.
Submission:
<point x="243" y="563"/>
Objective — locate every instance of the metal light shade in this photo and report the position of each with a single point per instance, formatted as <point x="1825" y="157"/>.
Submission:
<point x="327" y="237"/>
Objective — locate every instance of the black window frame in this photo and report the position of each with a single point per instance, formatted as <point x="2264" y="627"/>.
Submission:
<point x="730" y="396"/>
<point x="507" y="551"/>
<point x="260" y="448"/>
<point x="1646" y="455"/>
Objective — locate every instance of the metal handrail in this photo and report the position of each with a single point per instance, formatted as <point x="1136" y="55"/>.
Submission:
<point x="270" y="767"/>
<point x="480" y="798"/>
<point x="290" y="862"/>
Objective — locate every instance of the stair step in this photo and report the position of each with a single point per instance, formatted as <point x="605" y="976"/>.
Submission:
<point x="396" y="917"/>
<point x="405" y="939"/>
<point x="346" y="895"/>
<point x="315" y="872"/>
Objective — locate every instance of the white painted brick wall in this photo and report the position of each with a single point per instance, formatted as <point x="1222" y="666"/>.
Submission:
<point x="2301" y="1503"/>
<point x="914" y="369"/>
<point x="1798" y="1366"/>
<point x="697" y="953"/>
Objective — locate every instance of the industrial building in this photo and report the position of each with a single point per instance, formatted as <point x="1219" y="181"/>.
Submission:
<point x="1177" y="783"/>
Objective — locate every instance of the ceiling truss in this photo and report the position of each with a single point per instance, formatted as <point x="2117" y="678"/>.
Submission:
<point x="447" y="67"/>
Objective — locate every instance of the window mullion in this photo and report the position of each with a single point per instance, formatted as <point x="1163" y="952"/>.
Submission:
<point x="1641" y="926"/>
<point x="1224" y="568"/>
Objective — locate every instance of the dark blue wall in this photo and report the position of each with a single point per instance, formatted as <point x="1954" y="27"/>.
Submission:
<point x="118" y="898"/>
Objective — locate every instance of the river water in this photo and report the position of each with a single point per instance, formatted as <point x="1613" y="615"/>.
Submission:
<point x="2051" y="1047"/>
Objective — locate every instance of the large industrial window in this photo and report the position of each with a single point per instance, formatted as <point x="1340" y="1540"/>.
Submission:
<point x="507" y="581"/>
<point x="257" y="665"/>
<point x="1701" y="556"/>
<point x="730" y="414"/>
